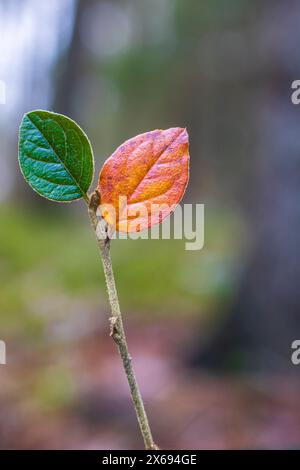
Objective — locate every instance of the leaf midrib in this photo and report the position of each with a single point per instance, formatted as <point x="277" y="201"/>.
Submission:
<point x="51" y="147"/>
<point x="154" y="163"/>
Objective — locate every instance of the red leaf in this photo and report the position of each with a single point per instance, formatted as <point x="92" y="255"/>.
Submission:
<point x="151" y="171"/>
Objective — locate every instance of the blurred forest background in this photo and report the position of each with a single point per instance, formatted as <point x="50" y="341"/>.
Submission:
<point x="210" y="331"/>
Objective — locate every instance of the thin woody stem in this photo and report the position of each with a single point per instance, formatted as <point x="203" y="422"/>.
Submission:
<point x="116" y="325"/>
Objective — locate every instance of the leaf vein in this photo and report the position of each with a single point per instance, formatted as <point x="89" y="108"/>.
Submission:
<point x="51" y="147"/>
<point x="153" y="164"/>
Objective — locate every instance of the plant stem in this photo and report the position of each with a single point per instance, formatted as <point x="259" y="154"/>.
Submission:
<point x="116" y="326"/>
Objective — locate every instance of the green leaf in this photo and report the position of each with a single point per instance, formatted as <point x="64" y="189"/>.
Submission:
<point x="55" y="156"/>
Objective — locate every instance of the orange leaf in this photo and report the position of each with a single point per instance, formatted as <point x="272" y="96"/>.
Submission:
<point x="144" y="179"/>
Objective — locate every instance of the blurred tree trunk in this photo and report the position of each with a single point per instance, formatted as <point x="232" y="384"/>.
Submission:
<point x="265" y="317"/>
<point x="70" y="67"/>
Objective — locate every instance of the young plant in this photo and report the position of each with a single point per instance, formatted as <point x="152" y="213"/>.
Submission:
<point x="139" y="185"/>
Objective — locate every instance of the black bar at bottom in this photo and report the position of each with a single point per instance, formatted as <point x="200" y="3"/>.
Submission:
<point x="134" y="459"/>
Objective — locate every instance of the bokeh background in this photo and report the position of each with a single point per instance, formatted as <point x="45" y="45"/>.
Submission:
<point x="210" y="331"/>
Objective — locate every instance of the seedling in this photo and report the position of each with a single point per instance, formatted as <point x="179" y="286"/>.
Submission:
<point x="139" y="185"/>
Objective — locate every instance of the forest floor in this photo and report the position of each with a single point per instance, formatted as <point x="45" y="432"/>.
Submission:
<point x="74" y="396"/>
